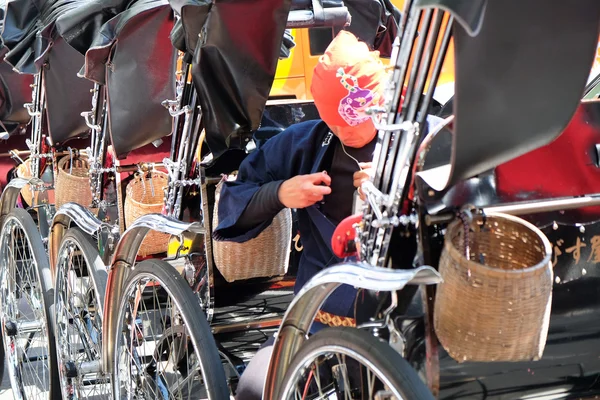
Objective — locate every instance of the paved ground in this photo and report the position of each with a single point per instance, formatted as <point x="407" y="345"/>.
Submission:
<point x="5" y="391"/>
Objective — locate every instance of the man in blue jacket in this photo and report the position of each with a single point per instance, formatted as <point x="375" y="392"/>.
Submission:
<point x="314" y="167"/>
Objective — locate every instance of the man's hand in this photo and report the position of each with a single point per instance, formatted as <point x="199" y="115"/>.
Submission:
<point x="304" y="190"/>
<point x="362" y="176"/>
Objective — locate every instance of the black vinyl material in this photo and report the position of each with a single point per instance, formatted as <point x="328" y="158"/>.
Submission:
<point x="193" y="15"/>
<point x="468" y="13"/>
<point x="29" y="28"/>
<point x="133" y="56"/>
<point x="234" y="67"/>
<point x="518" y="84"/>
<point x="318" y="13"/>
<point x="15" y="91"/>
<point x="34" y="44"/>
<point x="374" y="22"/>
<point x="80" y="27"/>
<point x="20" y="26"/>
<point x="67" y="96"/>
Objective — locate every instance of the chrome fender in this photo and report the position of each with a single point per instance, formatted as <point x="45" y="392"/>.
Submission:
<point x="67" y="214"/>
<point x="122" y="263"/>
<point x="305" y="305"/>
<point x="10" y="194"/>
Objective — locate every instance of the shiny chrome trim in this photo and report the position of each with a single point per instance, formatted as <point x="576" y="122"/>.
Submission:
<point x="10" y="194"/>
<point x="303" y="309"/>
<point x="79" y="214"/>
<point x="539" y="206"/>
<point x="123" y="261"/>
<point x="526" y="207"/>
<point x="68" y="213"/>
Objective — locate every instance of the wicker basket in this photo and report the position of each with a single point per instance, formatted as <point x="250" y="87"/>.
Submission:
<point x="145" y="195"/>
<point x="495" y="306"/>
<point x="24" y="171"/>
<point x="264" y="256"/>
<point x="73" y="184"/>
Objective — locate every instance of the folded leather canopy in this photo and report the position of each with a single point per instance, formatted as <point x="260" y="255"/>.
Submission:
<point x="375" y="22"/>
<point x="25" y="20"/>
<point x="33" y="43"/>
<point x="97" y="56"/>
<point x="193" y="15"/>
<point x="518" y="81"/>
<point x="234" y="68"/>
<point x="133" y="56"/>
<point x="80" y="27"/>
<point x="19" y="19"/>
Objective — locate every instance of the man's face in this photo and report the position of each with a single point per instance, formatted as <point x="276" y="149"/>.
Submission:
<point x="355" y="136"/>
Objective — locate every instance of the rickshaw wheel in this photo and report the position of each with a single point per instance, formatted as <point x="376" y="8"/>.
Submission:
<point x="79" y="296"/>
<point x="26" y="300"/>
<point x="164" y="345"/>
<point x="350" y="363"/>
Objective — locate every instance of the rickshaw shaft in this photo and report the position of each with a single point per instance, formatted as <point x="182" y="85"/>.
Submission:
<point x="526" y="207"/>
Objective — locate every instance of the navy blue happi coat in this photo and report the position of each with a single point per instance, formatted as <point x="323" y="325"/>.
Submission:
<point x="301" y="149"/>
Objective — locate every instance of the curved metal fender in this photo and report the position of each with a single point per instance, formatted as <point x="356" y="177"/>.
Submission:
<point x="303" y="309"/>
<point x="10" y="194"/>
<point x="70" y="212"/>
<point x="122" y="262"/>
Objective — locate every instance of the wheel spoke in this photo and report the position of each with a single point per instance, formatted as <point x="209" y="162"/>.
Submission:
<point x="22" y="309"/>
<point x="159" y="357"/>
<point x="79" y="320"/>
<point x="347" y="363"/>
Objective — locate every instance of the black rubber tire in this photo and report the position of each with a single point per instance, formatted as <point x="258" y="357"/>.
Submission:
<point x="44" y="276"/>
<point x="191" y="311"/>
<point x="96" y="271"/>
<point x="391" y="364"/>
<point x="2" y="351"/>
<point x="2" y="357"/>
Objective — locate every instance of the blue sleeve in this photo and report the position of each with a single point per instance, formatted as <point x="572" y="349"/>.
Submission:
<point x="282" y="157"/>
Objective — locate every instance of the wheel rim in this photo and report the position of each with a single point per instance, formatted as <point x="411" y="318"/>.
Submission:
<point x="312" y="379"/>
<point x="78" y="327"/>
<point x="23" y="316"/>
<point x="156" y="357"/>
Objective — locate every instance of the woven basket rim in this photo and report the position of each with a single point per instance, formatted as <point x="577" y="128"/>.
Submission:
<point x="139" y="179"/>
<point x="61" y="167"/>
<point x="454" y="252"/>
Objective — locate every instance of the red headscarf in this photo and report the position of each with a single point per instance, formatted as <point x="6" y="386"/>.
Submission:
<point x="348" y="79"/>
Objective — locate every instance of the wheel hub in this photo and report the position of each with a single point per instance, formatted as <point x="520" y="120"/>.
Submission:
<point x="70" y="370"/>
<point x="11" y="329"/>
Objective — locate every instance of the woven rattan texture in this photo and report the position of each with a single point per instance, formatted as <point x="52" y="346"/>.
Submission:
<point x="73" y="184"/>
<point x="24" y="171"/>
<point x="145" y="195"/>
<point x="264" y="256"/>
<point x="495" y="306"/>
